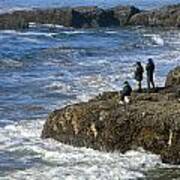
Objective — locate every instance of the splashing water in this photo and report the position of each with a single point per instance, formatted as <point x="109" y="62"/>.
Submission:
<point x="43" y="70"/>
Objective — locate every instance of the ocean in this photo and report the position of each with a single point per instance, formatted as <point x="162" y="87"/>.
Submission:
<point x="42" y="69"/>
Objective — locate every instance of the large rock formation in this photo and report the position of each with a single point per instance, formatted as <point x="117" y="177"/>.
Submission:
<point x="90" y="17"/>
<point x="85" y="17"/>
<point x="123" y="14"/>
<point x="173" y="78"/>
<point x="78" y="17"/>
<point x="166" y="16"/>
<point x="151" y="121"/>
<point x="21" y="19"/>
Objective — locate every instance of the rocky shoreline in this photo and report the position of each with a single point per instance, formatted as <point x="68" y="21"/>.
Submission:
<point x="93" y="17"/>
<point x="151" y="121"/>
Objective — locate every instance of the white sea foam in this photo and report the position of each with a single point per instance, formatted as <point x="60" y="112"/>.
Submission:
<point x="27" y="33"/>
<point x="89" y="164"/>
<point x="48" y="159"/>
<point x="11" y="10"/>
<point x="32" y="40"/>
<point x="37" y="34"/>
<point x="8" y="31"/>
<point x="158" y="39"/>
<point x="89" y="86"/>
<point x="36" y="25"/>
<point x="58" y="86"/>
<point x="51" y="158"/>
<point x="10" y="63"/>
<point x="76" y="32"/>
<point x="111" y="32"/>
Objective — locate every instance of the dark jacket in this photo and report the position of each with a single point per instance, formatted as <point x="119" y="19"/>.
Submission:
<point x="150" y="69"/>
<point x="138" y="74"/>
<point x="126" y="90"/>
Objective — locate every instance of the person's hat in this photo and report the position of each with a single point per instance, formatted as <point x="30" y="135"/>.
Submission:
<point x="125" y="82"/>
<point x="150" y="59"/>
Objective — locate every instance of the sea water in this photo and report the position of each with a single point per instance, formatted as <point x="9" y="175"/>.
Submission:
<point x="42" y="69"/>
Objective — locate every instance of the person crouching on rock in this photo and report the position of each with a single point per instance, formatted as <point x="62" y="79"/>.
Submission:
<point x="138" y="74"/>
<point x="126" y="92"/>
<point x="150" y="71"/>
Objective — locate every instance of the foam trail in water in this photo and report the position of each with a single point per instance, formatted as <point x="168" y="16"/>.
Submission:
<point x="158" y="40"/>
<point x="11" y="10"/>
<point x="27" y="33"/>
<point x="45" y="159"/>
<point x="10" y="63"/>
<point x="36" y="25"/>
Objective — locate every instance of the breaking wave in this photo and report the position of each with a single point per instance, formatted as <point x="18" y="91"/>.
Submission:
<point x="35" y="157"/>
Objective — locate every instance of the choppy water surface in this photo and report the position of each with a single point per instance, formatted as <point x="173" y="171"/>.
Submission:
<point x="43" y="68"/>
<point x="47" y="67"/>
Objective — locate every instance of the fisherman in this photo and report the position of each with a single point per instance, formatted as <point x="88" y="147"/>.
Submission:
<point x="150" y="71"/>
<point x="138" y="74"/>
<point x="126" y="92"/>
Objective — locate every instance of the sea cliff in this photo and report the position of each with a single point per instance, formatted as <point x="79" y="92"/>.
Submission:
<point x="151" y="121"/>
<point x="93" y="17"/>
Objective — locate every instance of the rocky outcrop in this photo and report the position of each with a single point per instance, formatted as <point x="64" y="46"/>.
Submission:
<point x="85" y="17"/>
<point x="78" y="17"/>
<point x="173" y="81"/>
<point x="173" y="78"/>
<point x="151" y="121"/>
<point x="21" y="19"/>
<point x="91" y="17"/>
<point x="123" y="14"/>
<point x="166" y="16"/>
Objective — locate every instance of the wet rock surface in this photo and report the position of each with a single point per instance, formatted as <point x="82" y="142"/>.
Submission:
<point x="173" y="78"/>
<point x="151" y="121"/>
<point x="92" y="17"/>
<point x="78" y="17"/>
<point x="123" y="14"/>
<point x="166" y="16"/>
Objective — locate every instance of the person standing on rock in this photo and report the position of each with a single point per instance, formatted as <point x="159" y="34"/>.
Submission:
<point x="138" y="74"/>
<point x="150" y="67"/>
<point x="126" y="92"/>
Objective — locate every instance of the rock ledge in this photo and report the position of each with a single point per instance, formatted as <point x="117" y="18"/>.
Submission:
<point x="151" y="121"/>
<point x="93" y="17"/>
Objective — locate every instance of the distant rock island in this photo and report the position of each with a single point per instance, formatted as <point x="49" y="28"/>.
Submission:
<point x="151" y="121"/>
<point x="92" y="17"/>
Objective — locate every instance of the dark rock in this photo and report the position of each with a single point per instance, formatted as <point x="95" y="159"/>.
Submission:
<point x="172" y="155"/>
<point x="79" y="17"/>
<point x="88" y="17"/>
<point x="124" y="13"/>
<point x="140" y="19"/>
<point x="151" y="121"/>
<point x="173" y="78"/>
<point x="92" y="16"/>
<point x="13" y="21"/>
<point x="85" y="16"/>
<point x="61" y="16"/>
<point x="21" y="19"/>
<point x="166" y="16"/>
